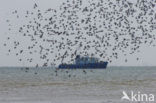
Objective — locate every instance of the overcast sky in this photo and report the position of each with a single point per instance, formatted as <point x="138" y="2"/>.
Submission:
<point x="147" y="54"/>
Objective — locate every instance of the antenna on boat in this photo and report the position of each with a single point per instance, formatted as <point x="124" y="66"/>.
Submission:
<point x="78" y="48"/>
<point x="63" y="56"/>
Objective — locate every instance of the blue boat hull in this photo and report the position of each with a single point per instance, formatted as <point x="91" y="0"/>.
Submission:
<point x="101" y="65"/>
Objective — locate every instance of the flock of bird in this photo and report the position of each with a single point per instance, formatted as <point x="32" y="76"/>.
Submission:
<point x="100" y="28"/>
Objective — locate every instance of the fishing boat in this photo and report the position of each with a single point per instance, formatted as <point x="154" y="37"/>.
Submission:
<point x="85" y="63"/>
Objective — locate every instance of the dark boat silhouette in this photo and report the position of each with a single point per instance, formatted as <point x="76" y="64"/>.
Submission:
<point x="85" y="63"/>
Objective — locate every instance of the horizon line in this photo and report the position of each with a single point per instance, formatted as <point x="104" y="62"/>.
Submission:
<point x="54" y="66"/>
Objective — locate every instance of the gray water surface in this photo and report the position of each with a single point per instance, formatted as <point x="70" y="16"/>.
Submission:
<point x="48" y="85"/>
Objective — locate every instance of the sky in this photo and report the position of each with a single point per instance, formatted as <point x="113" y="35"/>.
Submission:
<point x="147" y="55"/>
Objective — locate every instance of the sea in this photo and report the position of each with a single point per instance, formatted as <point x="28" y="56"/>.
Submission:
<point x="49" y="85"/>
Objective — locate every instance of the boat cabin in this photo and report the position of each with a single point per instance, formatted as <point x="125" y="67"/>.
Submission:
<point x="85" y="60"/>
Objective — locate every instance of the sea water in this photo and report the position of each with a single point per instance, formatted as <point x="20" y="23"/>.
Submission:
<point x="48" y="85"/>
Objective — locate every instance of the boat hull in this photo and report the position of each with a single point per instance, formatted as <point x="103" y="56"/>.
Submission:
<point x="101" y="65"/>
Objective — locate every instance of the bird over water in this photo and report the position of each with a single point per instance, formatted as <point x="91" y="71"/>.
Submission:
<point x="101" y="28"/>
